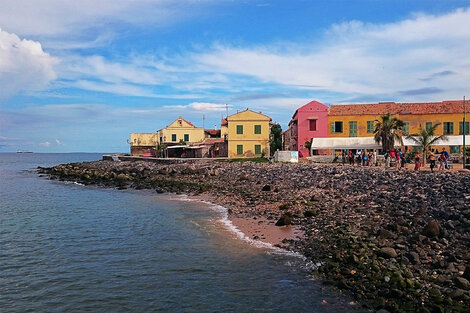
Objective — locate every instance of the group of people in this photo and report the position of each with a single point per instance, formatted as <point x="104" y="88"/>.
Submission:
<point x="396" y="158"/>
<point x="442" y="157"/>
<point x="360" y="158"/>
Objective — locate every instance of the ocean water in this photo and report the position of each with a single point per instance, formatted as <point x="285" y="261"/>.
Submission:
<point x="71" y="248"/>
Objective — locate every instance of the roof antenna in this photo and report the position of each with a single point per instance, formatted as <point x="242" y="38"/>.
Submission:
<point x="203" y="120"/>
<point x="226" y="110"/>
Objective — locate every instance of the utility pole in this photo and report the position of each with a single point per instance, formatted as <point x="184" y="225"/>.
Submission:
<point x="464" y="132"/>
<point x="226" y="110"/>
<point x="203" y="120"/>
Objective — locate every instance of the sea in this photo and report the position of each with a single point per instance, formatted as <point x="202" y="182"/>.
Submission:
<point x="65" y="247"/>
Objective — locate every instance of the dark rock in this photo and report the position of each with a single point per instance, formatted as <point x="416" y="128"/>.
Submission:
<point x="266" y="188"/>
<point x="387" y="252"/>
<point x="413" y="257"/>
<point x="462" y="283"/>
<point x="284" y="220"/>
<point x="432" y="229"/>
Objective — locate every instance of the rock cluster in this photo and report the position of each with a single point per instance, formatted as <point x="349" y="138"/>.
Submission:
<point x="397" y="240"/>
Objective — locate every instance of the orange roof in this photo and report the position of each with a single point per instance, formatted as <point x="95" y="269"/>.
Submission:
<point x="190" y="124"/>
<point x="444" y="107"/>
<point x="213" y="132"/>
<point x="224" y="122"/>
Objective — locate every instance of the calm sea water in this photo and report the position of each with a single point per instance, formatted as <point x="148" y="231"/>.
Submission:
<point x="71" y="248"/>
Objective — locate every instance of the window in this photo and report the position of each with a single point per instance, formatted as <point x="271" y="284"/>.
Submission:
<point x="370" y="126"/>
<point x="336" y="127"/>
<point x="161" y="139"/>
<point x="257" y="129"/>
<point x="467" y="128"/>
<point x="428" y="125"/>
<point x="186" y="137"/>
<point x="239" y="149"/>
<point x="173" y="137"/>
<point x="257" y="149"/>
<point x="239" y="129"/>
<point x="353" y="129"/>
<point x="448" y="128"/>
<point x="406" y="128"/>
<point x="313" y="125"/>
<point x="454" y="149"/>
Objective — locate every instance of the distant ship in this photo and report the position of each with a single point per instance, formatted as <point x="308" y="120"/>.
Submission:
<point x="21" y="151"/>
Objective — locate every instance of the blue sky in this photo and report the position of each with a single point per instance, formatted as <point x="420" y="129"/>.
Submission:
<point x="82" y="75"/>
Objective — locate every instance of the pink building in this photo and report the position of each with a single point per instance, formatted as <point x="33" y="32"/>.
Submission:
<point x="309" y="121"/>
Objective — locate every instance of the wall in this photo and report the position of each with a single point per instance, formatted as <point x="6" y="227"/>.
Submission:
<point x="248" y="139"/>
<point x="316" y="110"/>
<point x="141" y="142"/>
<point x="180" y="127"/>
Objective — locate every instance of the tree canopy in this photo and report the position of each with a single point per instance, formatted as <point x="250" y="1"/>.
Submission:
<point x="387" y="130"/>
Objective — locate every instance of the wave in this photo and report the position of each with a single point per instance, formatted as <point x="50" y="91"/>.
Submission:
<point x="227" y="223"/>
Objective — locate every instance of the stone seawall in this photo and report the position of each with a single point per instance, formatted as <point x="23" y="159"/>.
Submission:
<point x="397" y="240"/>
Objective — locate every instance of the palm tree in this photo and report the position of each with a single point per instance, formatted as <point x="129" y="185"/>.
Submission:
<point x="426" y="138"/>
<point x="387" y="130"/>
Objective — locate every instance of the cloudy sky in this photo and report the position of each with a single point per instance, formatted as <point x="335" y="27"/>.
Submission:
<point x="81" y="75"/>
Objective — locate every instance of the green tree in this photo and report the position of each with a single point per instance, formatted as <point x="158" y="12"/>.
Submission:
<point x="275" y="138"/>
<point x="425" y="138"/>
<point x="387" y="130"/>
<point x="308" y="145"/>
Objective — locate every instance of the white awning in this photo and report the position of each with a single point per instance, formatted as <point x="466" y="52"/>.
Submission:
<point x="369" y="142"/>
<point x="344" y="143"/>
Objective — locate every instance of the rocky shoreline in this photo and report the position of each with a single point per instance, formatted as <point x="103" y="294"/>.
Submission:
<point x="397" y="240"/>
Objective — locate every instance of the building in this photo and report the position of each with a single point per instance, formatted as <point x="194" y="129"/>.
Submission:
<point x="180" y="131"/>
<point x="141" y="143"/>
<point x="357" y="120"/>
<point x="248" y="134"/>
<point x="309" y="121"/>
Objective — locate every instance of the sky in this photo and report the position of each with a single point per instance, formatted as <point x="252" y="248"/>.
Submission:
<point x="79" y="76"/>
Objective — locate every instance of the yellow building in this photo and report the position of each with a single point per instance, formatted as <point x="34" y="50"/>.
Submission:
<point x="180" y="130"/>
<point x="143" y="143"/>
<point x="248" y="134"/>
<point x="357" y="120"/>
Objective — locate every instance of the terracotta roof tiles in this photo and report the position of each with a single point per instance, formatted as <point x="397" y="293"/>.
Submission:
<point x="444" y="107"/>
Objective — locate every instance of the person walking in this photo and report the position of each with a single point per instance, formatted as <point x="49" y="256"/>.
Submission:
<point x="387" y="159"/>
<point x="417" y="161"/>
<point x="403" y="160"/>
<point x="432" y="161"/>
<point x="445" y="157"/>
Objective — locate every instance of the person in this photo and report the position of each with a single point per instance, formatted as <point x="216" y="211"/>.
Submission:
<point x="441" y="161"/>
<point x="398" y="158"/>
<point x="350" y="157"/>
<point x="387" y="159"/>
<point x="374" y="157"/>
<point x="301" y="155"/>
<point x="445" y="157"/>
<point x="403" y="160"/>
<point x="369" y="159"/>
<point x="432" y="161"/>
<point x="364" y="158"/>
<point x="343" y="157"/>
<point x="417" y="161"/>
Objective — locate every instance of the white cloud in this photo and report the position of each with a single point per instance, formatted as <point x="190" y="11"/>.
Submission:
<point x="58" y="142"/>
<point x="362" y="59"/>
<point x="45" y="144"/>
<point x="87" y="18"/>
<point x="23" y="65"/>
<point x="207" y="106"/>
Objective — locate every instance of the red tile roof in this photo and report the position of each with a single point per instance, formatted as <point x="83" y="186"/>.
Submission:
<point x="213" y="132"/>
<point x="224" y="122"/>
<point x="444" y="107"/>
<point x="190" y="124"/>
